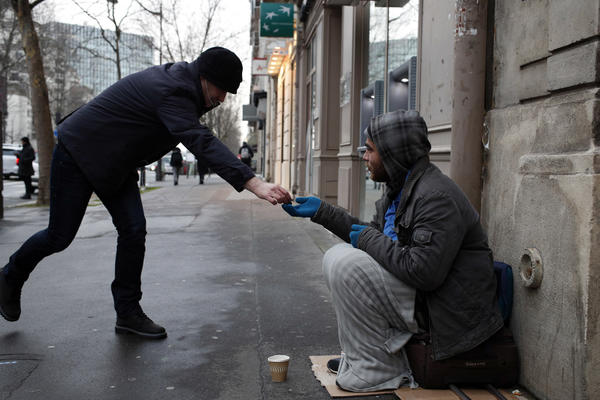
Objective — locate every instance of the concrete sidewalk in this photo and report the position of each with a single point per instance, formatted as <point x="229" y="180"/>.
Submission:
<point x="232" y="278"/>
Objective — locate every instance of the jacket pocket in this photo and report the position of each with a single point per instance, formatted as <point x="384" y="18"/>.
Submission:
<point x="421" y="236"/>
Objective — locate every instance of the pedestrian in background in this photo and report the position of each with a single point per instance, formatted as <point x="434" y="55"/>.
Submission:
<point x="176" y="163"/>
<point x="135" y="121"/>
<point x="202" y="170"/>
<point x="246" y="154"/>
<point x="26" y="157"/>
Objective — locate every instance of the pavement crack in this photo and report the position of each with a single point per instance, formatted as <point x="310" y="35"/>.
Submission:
<point x="20" y="357"/>
<point x="22" y="381"/>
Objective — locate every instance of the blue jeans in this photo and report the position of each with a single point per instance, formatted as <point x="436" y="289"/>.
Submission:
<point x="70" y="192"/>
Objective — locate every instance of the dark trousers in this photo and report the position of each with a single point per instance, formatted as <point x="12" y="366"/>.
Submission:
<point x="175" y="175"/>
<point x="28" y="185"/>
<point x="70" y="193"/>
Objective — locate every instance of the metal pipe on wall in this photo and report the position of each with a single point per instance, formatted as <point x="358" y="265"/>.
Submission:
<point x="469" y="97"/>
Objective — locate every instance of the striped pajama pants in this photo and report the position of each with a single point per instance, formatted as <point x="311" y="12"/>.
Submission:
<point x="375" y="316"/>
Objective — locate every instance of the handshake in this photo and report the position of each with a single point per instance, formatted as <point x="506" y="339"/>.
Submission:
<point x="307" y="207"/>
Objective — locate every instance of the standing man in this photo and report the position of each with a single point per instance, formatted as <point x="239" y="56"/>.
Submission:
<point x="176" y="162"/>
<point x="423" y="263"/>
<point x="132" y="123"/>
<point x="26" y="157"/>
<point x="246" y="154"/>
<point x="202" y="170"/>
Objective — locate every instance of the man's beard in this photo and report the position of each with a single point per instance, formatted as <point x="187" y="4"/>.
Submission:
<point x="379" y="175"/>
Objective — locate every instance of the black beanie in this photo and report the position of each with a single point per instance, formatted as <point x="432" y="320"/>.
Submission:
<point x="222" y="68"/>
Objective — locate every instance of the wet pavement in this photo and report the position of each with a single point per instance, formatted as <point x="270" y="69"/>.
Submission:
<point x="232" y="278"/>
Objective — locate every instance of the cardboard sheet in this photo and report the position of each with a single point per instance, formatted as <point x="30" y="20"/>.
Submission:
<point x="447" y="394"/>
<point x="327" y="379"/>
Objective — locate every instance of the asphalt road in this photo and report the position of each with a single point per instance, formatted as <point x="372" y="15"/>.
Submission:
<point x="232" y="278"/>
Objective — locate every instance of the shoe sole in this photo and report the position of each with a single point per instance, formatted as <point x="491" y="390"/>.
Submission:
<point x="125" y="330"/>
<point x="6" y="317"/>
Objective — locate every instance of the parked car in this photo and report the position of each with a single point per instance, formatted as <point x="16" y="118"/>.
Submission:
<point x="10" y="168"/>
<point x="10" y="163"/>
<point x="166" y="166"/>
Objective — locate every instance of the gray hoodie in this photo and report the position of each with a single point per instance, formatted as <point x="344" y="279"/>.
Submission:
<point x="441" y="250"/>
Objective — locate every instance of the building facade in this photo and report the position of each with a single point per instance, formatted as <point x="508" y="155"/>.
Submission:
<point x="79" y="64"/>
<point x="509" y="91"/>
<point x="94" y="59"/>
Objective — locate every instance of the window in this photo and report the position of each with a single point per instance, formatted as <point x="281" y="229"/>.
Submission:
<point x="312" y="111"/>
<point x="394" y="30"/>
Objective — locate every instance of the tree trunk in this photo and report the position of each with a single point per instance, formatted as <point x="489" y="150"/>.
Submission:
<point x="40" y="106"/>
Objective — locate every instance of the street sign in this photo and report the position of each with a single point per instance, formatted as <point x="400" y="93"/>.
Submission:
<point x="276" y="20"/>
<point x="260" y="66"/>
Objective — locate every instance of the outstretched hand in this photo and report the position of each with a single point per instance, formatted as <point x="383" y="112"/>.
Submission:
<point x="268" y="191"/>
<point x="355" y="233"/>
<point x="307" y="207"/>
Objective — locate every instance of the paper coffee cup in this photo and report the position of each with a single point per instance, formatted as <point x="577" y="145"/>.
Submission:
<point x="278" y="364"/>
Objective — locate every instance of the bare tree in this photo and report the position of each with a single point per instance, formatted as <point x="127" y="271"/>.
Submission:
<point x="185" y="42"/>
<point x="223" y="121"/>
<point x="8" y="33"/>
<point x="39" y="94"/>
<point x="111" y="36"/>
<point x="9" y="56"/>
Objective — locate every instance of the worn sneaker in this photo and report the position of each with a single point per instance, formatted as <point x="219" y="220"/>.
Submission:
<point x="333" y="365"/>
<point x="10" y="299"/>
<point x="138" y="323"/>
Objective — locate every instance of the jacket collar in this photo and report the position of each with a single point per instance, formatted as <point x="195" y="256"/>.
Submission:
<point x="407" y="184"/>
<point x="416" y="173"/>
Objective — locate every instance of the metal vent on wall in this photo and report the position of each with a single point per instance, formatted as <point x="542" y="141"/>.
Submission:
<point x="371" y="104"/>
<point x="412" y="84"/>
<point x="402" y="86"/>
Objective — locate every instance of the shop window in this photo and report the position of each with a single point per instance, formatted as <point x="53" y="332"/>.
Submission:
<point x="393" y="43"/>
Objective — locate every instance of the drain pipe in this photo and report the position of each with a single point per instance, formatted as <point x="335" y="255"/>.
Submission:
<point x="468" y="97"/>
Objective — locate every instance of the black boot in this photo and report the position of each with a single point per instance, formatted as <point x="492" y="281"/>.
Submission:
<point x="10" y="299"/>
<point x="26" y="196"/>
<point x="138" y="323"/>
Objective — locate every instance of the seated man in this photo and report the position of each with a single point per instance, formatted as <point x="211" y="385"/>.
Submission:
<point x="423" y="263"/>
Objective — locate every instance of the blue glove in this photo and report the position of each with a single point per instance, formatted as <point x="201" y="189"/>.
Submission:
<point x="355" y="233"/>
<point x="307" y="207"/>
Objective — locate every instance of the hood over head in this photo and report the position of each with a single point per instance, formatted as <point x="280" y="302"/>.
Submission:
<point x="401" y="140"/>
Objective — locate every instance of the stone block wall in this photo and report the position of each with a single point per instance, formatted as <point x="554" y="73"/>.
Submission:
<point x="542" y="186"/>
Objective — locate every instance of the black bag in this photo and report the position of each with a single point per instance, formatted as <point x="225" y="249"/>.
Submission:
<point x="494" y="362"/>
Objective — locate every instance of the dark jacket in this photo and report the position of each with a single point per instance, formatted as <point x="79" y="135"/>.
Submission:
<point x="441" y="250"/>
<point x="26" y="157"/>
<point x="138" y="120"/>
<point x="176" y="160"/>
<point x="250" y="152"/>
